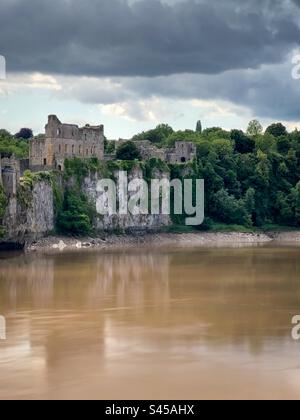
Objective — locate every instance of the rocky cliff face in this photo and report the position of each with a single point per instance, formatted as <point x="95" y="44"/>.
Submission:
<point x="128" y="222"/>
<point x="29" y="215"/>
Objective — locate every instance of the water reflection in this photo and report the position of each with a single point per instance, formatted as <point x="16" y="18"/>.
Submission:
<point x="81" y="324"/>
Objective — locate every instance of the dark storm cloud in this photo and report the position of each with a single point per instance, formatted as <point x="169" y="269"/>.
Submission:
<point x="146" y="37"/>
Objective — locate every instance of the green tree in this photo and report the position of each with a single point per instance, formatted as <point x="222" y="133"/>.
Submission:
<point x="254" y="128"/>
<point x="128" y="151"/>
<point x="243" y="143"/>
<point x="76" y="215"/>
<point x="24" y="133"/>
<point x="295" y="196"/>
<point x="228" y="209"/>
<point x="199" y="127"/>
<point x="158" y="135"/>
<point x="277" y="130"/>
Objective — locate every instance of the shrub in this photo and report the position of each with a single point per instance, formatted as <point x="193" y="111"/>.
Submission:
<point x="128" y="151"/>
<point x="76" y="215"/>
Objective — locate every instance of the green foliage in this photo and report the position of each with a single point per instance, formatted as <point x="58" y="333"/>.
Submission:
<point x="254" y="128"/>
<point x="128" y="151"/>
<point x="27" y="183"/>
<point x="29" y="178"/>
<point x="277" y="130"/>
<point x="76" y="214"/>
<point x="24" y="133"/>
<point x="158" y="135"/>
<point x="199" y="127"/>
<point x="12" y="146"/>
<point x="266" y="143"/>
<point x="243" y="143"/>
<point x="230" y="210"/>
<point x="109" y="146"/>
<point x="187" y="135"/>
<point x="295" y="198"/>
<point x="79" y="169"/>
<point x="3" y="202"/>
<point x="153" y="165"/>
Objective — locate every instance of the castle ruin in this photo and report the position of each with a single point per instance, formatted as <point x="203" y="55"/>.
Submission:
<point x="63" y="141"/>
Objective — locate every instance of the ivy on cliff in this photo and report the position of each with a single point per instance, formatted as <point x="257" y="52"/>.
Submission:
<point x="76" y="215"/>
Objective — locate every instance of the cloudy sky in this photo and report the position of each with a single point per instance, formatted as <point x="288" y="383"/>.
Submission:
<point x="132" y="64"/>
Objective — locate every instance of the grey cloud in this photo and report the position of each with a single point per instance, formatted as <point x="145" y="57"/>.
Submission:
<point x="145" y="37"/>
<point x="269" y="92"/>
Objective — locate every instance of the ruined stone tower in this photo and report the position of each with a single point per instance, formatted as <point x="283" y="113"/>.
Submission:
<point x="62" y="141"/>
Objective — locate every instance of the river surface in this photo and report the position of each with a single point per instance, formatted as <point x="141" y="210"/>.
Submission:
<point x="151" y="324"/>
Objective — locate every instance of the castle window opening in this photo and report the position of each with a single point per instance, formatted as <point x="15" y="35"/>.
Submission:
<point x="45" y="162"/>
<point x="73" y="149"/>
<point x="66" y="148"/>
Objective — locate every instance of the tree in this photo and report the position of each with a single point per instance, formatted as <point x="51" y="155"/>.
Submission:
<point x="157" y="135"/>
<point x="109" y="146"/>
<point x="296" y="203"/>
<point x="254" y="128"/>
<point x="230" y="210"/>
<point x="24" y="133"/>
<point x="250" y="200"/>
<point x="76" y="215"/>
<point x="277" y="130"/>
<point x="4" y="133"/>
<point x="243" y="143"/>
<point x="199" y="127"/>
<point x="266" y="143"/>
<point x="283" y="145"/>
<point x="128" y="151"/>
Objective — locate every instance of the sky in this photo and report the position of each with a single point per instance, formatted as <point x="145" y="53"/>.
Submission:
<point x="133" y="64"/>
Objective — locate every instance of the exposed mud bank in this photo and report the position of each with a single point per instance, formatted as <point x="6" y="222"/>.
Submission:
<point x="56" y="243"/>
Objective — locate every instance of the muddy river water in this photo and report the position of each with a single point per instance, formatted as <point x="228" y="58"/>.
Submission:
<point x="151" y="324"/>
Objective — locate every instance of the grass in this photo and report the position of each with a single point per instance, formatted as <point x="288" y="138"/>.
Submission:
<point x="220" y="227"/>
<point x="278" y="228"/>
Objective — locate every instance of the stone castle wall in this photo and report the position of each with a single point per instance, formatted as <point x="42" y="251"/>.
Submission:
<point x="62" y="141"/>
<point x="183" y="152"/>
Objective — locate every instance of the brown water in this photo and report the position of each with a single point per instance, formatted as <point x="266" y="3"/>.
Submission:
<point x="151" y="324"/>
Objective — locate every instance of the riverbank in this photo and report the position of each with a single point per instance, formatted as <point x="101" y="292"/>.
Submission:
<point x="209" y="239"/>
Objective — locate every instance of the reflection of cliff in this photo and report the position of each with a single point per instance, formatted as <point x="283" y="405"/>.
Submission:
<point x="166" y="299"/>
<point x="26" y="283"/>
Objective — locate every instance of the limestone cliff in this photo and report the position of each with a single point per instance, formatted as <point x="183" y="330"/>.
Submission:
<point x="126" y="222"/>
<point x="29" y="213"/>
